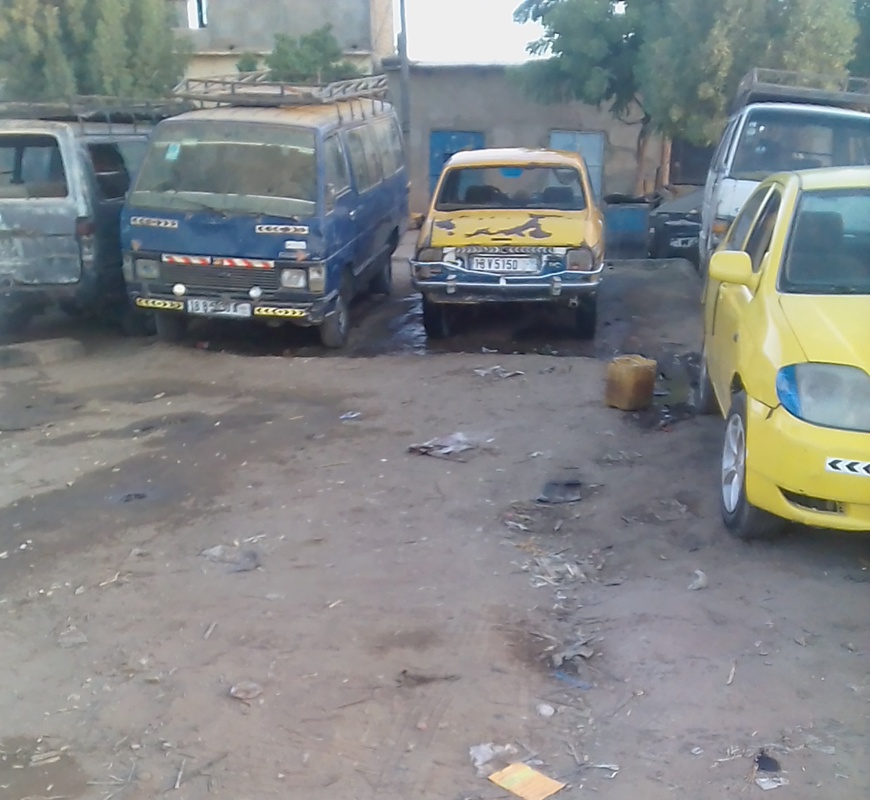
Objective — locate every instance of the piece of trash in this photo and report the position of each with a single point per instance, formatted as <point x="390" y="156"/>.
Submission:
<point x="411" y="679"/>
<point x="238" y="560"/>
<point x="553" y="571"/>
<point x="79" y="591"/>
<point x="697" y="751"/>
<point x="580" y="648"/>
<point x="526" y="782"/>
<point x="487" y="350"/>
<point x="246" y="691"/>
<point x="801" y="640"/>
<point x="350" y="416"/>
<point x="732" y="673"/>
<point x="497" y="372"/>
<point x="700" y="581"/>
<point x="570" y="680"/>
<point x="766" y="782"/>
<point x="612" y="768"/>
<point x="209" y="631"/>
<point x="483" y="754"/>
<point x="545" y="710"/>
<point x="556" y="492"/>
<point x="72" y="637"/>
<point x="766" y="763"/>
<point x="451" y="447"/>
<point x="516" y="526"/>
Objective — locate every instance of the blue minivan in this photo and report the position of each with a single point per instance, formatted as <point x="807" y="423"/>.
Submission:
<point x="270" y="203"/>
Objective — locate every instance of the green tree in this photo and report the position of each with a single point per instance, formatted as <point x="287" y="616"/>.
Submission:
<point x="861" y="63"/>
<point x="51" y="49"/>
<point x="248" y="62"/>
<point x="316" y="57"/>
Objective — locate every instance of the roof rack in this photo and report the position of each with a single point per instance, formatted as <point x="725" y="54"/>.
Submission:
<point x="783" y="86"/>
<point x="256" y="89"/>
<point x="93" y="108"/>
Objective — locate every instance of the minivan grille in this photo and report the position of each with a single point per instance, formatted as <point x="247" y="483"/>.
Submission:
<point x="219" y="277"/>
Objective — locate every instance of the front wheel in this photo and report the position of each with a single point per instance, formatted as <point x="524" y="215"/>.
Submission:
<point x="382" y="282"/>
<point x="170" y="327"/>
<point x="437" y="319"/>
<point x="586" y="317"/>
<point x="335" y="328"/>
<point x="742" y="519"/>
<point x="15" y="320"/>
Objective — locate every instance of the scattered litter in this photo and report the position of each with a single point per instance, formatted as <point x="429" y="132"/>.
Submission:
<point x="814" y="743"/>
<point x="238" y="560"/>
<point x="497" y="372"/>
<point x="246" y="691"/>
<point x="697" y="751"/>
<point x="766" y="763"/>
<point x="516" y="526"/>
<point x="4" y="554"/>
<point x="580" y="649"/>
<point x="487" y="350"/>
<point x="350" y="416"/>
<point x="700" y="581"/>
<point x="451" y="447"/>
<point x="71" y="637"/>
<point x="732" y="673"/>
<point x="545" y="710"/>
<point x="526" y="782"/>
<point x="483" y="754"/>
<point x="556" y="492"/>
<point x="613" y="769"/>
<point x="209" y="631"/>
<point x="412" y="679"/>
<point x="801" y="640"/>
<point x="553" y="571"/>
<point x="570" y="680"/>
<point x="766" y="782"/>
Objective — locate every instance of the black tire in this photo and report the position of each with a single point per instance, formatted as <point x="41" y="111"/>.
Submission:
<point x="586" y="317"/>
<point x="705" y="399"/>
<point x="15" y="320"/>
<point x="136" y="323"/>
<point x="335" y="328"/>
<point x="170" y="327"/>
<point x="438" y="319"/>
<point x="741" y="518"/>
<point x="382" y="282"/>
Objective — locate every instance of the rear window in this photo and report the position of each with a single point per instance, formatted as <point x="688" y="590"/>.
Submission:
<point x="31" y="166"/>
<point x="115" y="164"/>
<point x="559" y="188"/>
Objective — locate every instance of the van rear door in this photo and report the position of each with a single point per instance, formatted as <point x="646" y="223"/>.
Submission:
<point x="38" y="210"/>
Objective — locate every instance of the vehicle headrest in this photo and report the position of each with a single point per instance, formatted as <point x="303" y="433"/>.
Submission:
<point x="818" y="231"/>
<point x="558" y="195"/>
<point x="480" y="195"/>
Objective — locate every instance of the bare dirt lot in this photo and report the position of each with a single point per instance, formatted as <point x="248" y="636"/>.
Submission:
<point x="242" y="516"/>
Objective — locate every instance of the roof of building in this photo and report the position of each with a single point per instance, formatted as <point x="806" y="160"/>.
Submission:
<point x="505" y="156"/>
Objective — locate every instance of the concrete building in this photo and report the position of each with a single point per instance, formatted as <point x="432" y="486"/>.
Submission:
<point x="221" y="30"/>
<point x="454" y="107"/>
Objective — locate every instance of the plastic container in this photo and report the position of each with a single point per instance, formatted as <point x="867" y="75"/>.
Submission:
<point x="631" y="382"/>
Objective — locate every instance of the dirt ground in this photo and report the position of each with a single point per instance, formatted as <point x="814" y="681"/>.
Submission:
<point x="394" y="609"/>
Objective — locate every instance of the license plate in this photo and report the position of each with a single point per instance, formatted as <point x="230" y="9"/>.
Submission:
<point x="219" y="308"/>
<point x="505" y="264"/>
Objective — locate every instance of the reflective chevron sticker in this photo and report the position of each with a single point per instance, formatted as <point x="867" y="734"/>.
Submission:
<point x="843" y="466"/>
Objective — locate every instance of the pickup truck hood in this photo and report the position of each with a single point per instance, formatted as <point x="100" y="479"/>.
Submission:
<point x="832" y="328"/>
<point x="516" y="228"/>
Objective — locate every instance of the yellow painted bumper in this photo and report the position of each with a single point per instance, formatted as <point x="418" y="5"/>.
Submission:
<point x="787" y="473"/>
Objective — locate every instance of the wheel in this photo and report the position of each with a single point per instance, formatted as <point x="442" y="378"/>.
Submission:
<point x="705" y="399"/>
<point x="170" y="327"/>
<point x="742" y="519"/>
<point x="586" y="317"/>
<point x="382" y="282"/>
<point x="135" y="322"/>
<point x="15" y="320"/>
<point x="437" y="319"/>
<point x="335" y="327"/>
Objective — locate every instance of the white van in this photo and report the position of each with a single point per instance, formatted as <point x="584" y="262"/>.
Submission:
<point x="763" y="138"/>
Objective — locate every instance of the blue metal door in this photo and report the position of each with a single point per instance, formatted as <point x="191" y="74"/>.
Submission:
<point x="588" y="145"/>
<point x="443" y="144"/>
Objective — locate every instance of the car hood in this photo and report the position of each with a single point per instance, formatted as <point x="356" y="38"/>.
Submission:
<point x="516" y="228"/>
<point x="830" y="328"/>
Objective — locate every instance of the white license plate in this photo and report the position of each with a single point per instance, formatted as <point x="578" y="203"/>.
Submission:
<point x="219" y="308"/>
<point x="505" y="264"/>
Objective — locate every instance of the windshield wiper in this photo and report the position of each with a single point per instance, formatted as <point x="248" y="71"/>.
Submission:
<point x="199" y="204"/>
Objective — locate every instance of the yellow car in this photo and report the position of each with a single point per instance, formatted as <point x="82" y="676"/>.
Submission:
<point x="787" y="354"/>
<point x="510" y="225"/>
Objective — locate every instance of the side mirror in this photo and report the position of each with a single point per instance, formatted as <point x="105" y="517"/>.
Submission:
<point x="732" y="266"/>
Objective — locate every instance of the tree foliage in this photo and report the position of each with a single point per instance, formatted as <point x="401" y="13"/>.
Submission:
<point x="861" y="63"/>
<point x="316" y="57"/>
<point x="52" y="49"/>
<point x="680" y="60"/>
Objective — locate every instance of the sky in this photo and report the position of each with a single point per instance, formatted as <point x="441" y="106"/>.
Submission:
<point x="466" y="31"/>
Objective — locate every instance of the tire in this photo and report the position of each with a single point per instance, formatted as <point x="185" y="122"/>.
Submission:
<point x="170" y="327"/>
<point x="382" y="282"/>
<point x="705" y="399"/>
<point x="136" y="323"/>
<point x="437" y="319"/>
<point x="335" y="328"/>
<point x="586" y="317"/>
<point x="741" y="518"/>
<point x="15" y="320"/>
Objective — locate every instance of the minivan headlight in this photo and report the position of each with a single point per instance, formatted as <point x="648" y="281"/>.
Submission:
<point x="831" y="395"/>
<point x="147" y="269"/>
<point x="317" y="278"/>
<point x="293" y="278"/>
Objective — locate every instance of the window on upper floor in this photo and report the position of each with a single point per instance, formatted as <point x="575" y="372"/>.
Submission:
<point x="197" y="14"/>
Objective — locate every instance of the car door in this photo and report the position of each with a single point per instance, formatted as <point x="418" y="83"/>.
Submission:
<point x="729" y="330"/>
<point x="341" y="229"/>
<point x="367" y="172"/>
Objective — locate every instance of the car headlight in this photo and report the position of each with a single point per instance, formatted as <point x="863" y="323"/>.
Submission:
<point x="830" y="395"/>
<point x="430" y="254"/>
<point x="720" y="228"/>
<point x="293" y="278"/>
<point x="317" y="278"/>
<point x="580" y="260"/>
<point x="147" y="269"/>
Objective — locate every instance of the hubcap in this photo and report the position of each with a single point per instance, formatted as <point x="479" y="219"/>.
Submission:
<point x="733" y="463"/>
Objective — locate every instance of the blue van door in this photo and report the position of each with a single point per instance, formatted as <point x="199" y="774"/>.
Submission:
<point x="443" y="144"/>
<point x="367" y="173"/>
<point x="342" y="224"/>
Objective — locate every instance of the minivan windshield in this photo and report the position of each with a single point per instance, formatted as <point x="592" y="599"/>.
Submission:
<point x="229" y="166"/>
<point x="829" y="249"/>
<point x="784" y="140"/>
<point x="31" y="166"/>
<point x="512" y="187"/>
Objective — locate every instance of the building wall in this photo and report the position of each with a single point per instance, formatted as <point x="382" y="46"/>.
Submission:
<point x="484" y="98"/>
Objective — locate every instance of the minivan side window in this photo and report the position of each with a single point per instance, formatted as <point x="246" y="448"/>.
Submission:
<point x="31" y="166"/>
<point x="390" y="145"/>
<point x="110" y="169"/>
<point x="335" y="169"/>
<point x="364" y="161"/>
